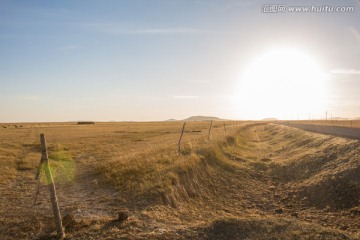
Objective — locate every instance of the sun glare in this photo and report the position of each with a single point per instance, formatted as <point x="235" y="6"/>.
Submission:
<point x="283" y="83"/>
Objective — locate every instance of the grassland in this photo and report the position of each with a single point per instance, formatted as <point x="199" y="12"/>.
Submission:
<point x="256" y="181"/>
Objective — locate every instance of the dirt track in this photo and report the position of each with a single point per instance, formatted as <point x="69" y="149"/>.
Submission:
<point x="347" y="132"/>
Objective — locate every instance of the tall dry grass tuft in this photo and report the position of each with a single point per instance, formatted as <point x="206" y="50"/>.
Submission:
<point x="159" y="172"/>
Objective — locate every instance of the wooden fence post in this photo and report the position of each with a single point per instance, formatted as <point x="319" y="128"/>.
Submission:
<point x="210" y="130"/>
<point x="51" y="185"/>
<point x="182" y="132"/>
<point x="224" y="128"/>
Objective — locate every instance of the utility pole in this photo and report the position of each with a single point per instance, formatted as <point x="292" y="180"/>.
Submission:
<point x="326" y="115"/>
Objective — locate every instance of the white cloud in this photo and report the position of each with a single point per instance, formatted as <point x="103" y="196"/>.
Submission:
<point x="345" y="71"/>
<point x="123" y="28"/>
<point x="107" y="27"/>
<point x="186" y="97"/>
<point x="69" y="47"/>
<point x="167" y="30"/>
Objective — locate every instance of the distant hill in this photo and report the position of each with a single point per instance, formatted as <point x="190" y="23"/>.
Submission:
<point x="338" y="118"/>
<point x="197" y="119"/>
<point x="171" y="120"/>
<point x="202" y="118"/>
<point x="270" y="119"/>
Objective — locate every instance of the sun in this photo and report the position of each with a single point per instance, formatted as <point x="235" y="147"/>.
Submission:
<point x="282" y="83"/>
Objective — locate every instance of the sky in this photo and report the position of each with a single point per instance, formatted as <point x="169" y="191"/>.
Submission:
<point x="152" y="60"/>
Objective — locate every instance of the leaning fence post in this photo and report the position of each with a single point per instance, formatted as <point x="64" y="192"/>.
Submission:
<point x="51" y="185"/>
<point x="182" y="132"/>
<point x="210" y="130"/>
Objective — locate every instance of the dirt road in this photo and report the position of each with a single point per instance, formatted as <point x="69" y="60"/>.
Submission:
<point x="347" y="132"/>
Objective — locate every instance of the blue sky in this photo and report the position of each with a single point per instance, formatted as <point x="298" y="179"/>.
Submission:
<point x="157" y="59"/>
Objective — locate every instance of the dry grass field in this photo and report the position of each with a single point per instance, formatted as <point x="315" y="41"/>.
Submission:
<point x="256" y="181"/>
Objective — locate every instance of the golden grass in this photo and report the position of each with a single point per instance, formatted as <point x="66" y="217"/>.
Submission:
<point x="103" y="142"/>
<point x="150" y="166"/>
<point x="234" y="182"/>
